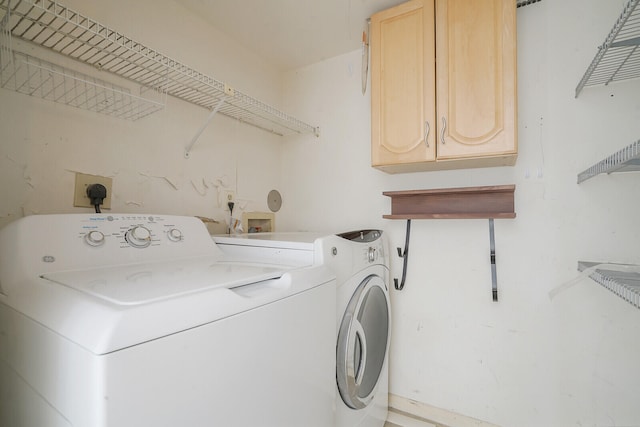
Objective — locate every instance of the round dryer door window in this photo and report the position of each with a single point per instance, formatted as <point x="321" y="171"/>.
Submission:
<point x="362" y="343"/>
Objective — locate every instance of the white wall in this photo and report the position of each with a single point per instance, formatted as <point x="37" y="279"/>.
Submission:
<point x="42" y="144"/>
<point x="525" y="360"/>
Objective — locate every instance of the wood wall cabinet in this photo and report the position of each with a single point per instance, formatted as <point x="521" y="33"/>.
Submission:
<point x="443" y="85"/>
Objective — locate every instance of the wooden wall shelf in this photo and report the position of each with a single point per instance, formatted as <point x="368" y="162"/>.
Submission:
<point x="453" y="203"/>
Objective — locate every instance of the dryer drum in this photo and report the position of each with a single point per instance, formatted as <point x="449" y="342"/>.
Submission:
<point x="362" y="343"/>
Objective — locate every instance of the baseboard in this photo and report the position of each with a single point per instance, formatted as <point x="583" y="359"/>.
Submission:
<point x="428" y="413"/>
<point x="400" y="419"/>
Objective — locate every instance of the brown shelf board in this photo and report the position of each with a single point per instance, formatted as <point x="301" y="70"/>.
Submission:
<point x="483" y="215"/>
<point x="453" y="203"/>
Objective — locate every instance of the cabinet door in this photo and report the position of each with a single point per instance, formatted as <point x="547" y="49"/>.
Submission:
<point x="476" y="86"/>
<point x="403" y="84"/>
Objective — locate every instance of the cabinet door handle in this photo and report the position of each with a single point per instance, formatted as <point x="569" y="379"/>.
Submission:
<point x="427" y="128"/>
<point x="444" y="126"/>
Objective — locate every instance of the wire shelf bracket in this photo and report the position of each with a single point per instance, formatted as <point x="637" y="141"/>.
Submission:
<point x="187" y="151"/>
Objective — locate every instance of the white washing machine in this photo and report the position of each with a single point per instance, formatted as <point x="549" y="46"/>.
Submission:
<point x="140" y="320"/>
<point x="360" y="262"/>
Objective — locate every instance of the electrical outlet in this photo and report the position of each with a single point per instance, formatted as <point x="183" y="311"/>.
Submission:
<point x="83" y="180"/>
<point x="229" y="196"/>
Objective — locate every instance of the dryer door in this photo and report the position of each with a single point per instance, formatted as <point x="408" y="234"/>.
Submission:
<point x="362" y="343"/>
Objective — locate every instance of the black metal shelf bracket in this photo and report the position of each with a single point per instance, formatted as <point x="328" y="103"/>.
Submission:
<point x="405" y="256"/>
<point x="492" y="257"/>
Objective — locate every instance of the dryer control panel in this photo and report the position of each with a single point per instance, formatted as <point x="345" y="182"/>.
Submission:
<point x="348" y="253"/>
<point x="372" y="247"/>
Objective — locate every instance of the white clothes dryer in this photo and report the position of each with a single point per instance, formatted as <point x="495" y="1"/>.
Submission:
<point x="141" y="320"/>
<point x="361" y="263"/>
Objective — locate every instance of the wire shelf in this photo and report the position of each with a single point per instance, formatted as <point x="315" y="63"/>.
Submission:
<point x="32" y="76"/>
<point x="625" y="160"/>
<point x="56" y="27"/>
<point x="618" y="58"/>
<point x="523" y="3"/>
<point x="621" y="279"/>
<point x="35" y="77"/>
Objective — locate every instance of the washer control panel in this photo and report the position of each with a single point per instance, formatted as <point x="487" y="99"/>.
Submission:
<point x="61" y="242"/>
<point x="130" y="231"/>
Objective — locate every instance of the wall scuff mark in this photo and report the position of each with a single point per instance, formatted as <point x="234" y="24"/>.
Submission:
<point x="202" y="192"/>
<point x="170" y="182"/>
<point x="25" y="175"/>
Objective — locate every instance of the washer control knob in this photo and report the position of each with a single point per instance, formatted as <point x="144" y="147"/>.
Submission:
<point x="139" y="237"/>
<point x="94" y="238"/>
<point x="372" y="255"/>
<point x="174" y="235"/>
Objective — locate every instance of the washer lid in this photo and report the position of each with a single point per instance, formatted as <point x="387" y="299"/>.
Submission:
<point x="106" y="310"/>
<point x="149" y="282"/>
